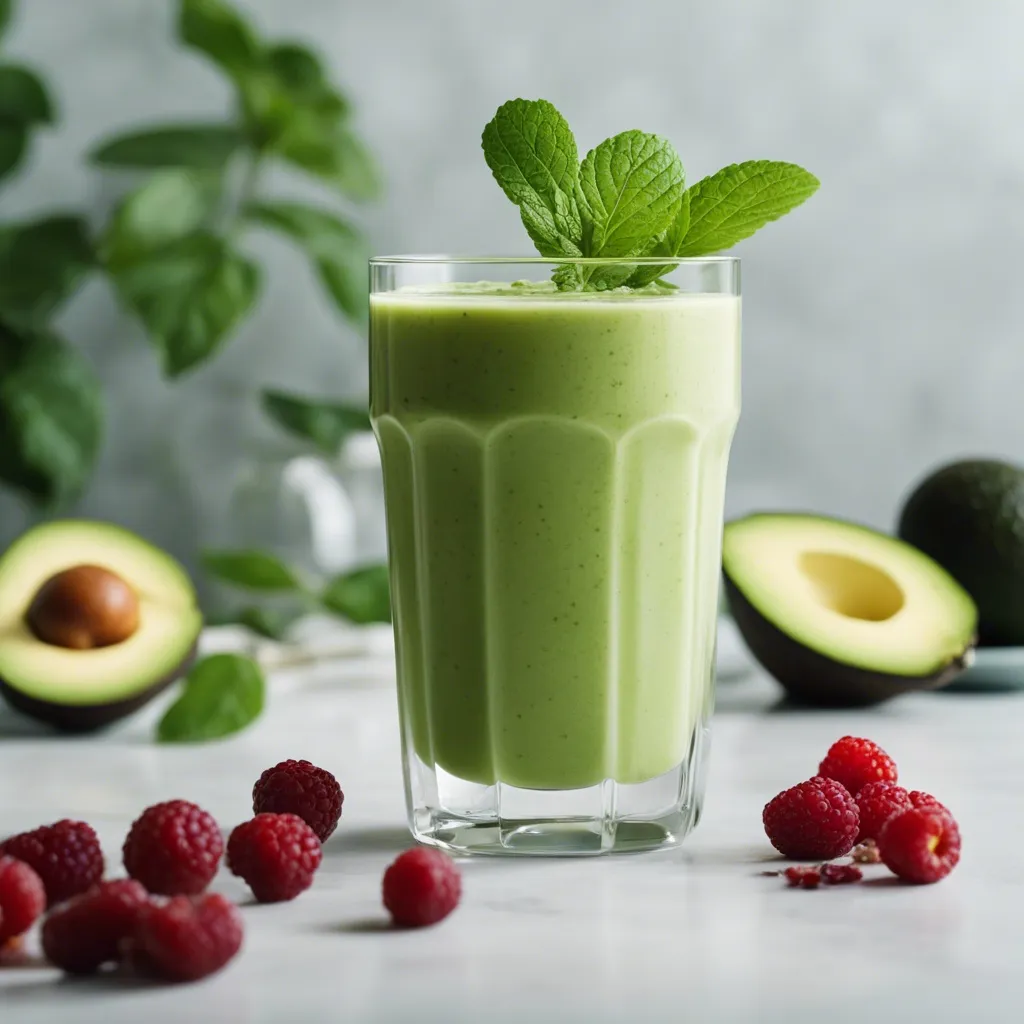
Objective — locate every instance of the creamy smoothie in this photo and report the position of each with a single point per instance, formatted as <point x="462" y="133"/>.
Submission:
<point x="554" y="471"/>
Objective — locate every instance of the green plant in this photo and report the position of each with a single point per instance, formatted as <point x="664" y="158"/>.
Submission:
<point x="51" y="410"/>
<point x="174" y="249"/>
<point x="361" y="596"/>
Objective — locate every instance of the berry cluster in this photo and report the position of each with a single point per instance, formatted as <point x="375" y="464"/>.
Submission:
<point x="853" y="806"/>
<point x="161" y="921"/>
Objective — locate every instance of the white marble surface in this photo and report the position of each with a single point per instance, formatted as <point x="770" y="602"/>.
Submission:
<point x="692" y="935"/>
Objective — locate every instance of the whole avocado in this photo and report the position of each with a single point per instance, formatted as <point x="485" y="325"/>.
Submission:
<point x="969" y="516"/>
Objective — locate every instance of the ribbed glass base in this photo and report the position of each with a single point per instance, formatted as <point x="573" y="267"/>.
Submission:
<point x="467" y="818"/>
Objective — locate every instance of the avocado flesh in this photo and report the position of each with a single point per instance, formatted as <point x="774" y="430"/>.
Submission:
<point x="840" y="614"/>
<point x="969" y="516"/>
<point x="79" y="690"/>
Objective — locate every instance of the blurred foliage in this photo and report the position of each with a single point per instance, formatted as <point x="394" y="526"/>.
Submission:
<point x="361" y="596"/>
<point x="174" y="248"/>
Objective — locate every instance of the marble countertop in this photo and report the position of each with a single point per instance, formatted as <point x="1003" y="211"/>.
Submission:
<point x="697" y="934"/>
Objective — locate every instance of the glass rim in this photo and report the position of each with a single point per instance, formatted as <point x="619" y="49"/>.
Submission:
<point x="434" y="259"/>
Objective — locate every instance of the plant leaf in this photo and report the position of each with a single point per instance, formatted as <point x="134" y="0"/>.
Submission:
<point x="299" y="70"/>
<point x="252" y="570"/>
<point x="326" y="424"/>
<point x="189" y="295"/>
<point x="338" y="251"/>
<point x="5" y="15"/>
<point x="23" y="97"/>
<point x="668" y="246"/>
<point x="171" y="206"/>
<point x="41" y="265"/>
<point x="629" y="192"/>
<point x="271" y="623"/>
<point x="361" y="596"/>
<point x="334" y="154"/>
<point x="51" y="416"/>
<point x="223" y="694"/>
<point x="203" y="147"/>
<point x="216" y="29"/>
<point x="736" y="201"/>
<point x="532" y="154"/>
<point x="13" y="143"/>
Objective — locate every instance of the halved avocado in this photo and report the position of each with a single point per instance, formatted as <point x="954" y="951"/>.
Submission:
<point x="94" y="622"/>
<point x="842" y="615"/>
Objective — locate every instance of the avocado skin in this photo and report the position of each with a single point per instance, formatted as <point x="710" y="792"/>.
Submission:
<point x="86" y="718"/>
<point x="812" y="678"/>
<point x="969" y="516"/>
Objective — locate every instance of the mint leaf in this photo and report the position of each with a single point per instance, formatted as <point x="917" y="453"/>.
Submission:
<point x="23" y="97"/>
<point x="298" y="70"/>
<point x="733" y="203"/>
<point x="326" y="424"/>
<point x="271" y="623"/>
<point x="13" y="142"/>
<point x="337" y="250"/>
<point x="216" y="29"/>
<point x="189" y="295"/>
<point x="667" y="246"/>
<point x="223" y="694"/>
<point x="630" y="187"/>
<point x="205" y="147"/>
<point x="253" y="570"/>
<point x="43" y="263"/>
<point x="51" y="416"/>
<point x="5" y="15"/>
<point x="532" y="154"/>
<point x="361" y="596"/>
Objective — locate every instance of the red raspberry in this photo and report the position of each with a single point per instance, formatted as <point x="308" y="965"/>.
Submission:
<point x="878" y="802"/>
<point x="22" y="898"/>
<point x="421" y="887"/>
<point x="816" y="820"/>
<point x="188" y="937"/>
<point x="923" y="800"/>
<point x="803" y="878"/>
<point x="276" y="854"/>
<point x="173" y="849"/>
<point x="840" y="874"/>
<point x="67" y="856"/>
<point x="920" y="845"/>
<point x="856" y="762"/>
<point x="84" y="934"/>
<point x="298" y="787"/>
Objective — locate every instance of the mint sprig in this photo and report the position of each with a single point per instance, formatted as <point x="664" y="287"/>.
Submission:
<point x="627" y="200"/>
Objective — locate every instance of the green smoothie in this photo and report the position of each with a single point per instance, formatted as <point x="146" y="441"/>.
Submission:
<point x="554" y="471"/>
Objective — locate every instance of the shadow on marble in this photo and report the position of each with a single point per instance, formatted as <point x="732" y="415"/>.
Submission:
<point x="378" y="839"/>
<point x="100" y="986"/>
<point x="360" y="926"/>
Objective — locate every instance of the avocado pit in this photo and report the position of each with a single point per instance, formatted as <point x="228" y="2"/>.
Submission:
<point x="82" y="608"/>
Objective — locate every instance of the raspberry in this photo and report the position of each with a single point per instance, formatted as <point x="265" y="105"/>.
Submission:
<point x="187" y="938"/>
<point x="856" y="762"/>
<point x="421" y="887"/>
<point x="174" y="849"/>
<point x="804" y="878"/>
<point x="298" y="787"/>
<point x="816" y="820"/>
<point x="840" y="874"/>
<point x="920" y="844"/>
<point x="276" y="854"/>
<point x="67" y="856"/>
<point x="923" y="800"/>
<point x="82" y="935"/>
<point x="22" y="898"/>
<point x="878" y="802"/>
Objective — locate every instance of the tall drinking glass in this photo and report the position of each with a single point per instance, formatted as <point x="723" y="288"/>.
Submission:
<point x="554" y="472"/>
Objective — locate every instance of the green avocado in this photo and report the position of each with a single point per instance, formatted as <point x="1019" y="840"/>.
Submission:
<point x="841" y="614"/>
<point x="969" y="516"/>
<point x="94" y="622"/>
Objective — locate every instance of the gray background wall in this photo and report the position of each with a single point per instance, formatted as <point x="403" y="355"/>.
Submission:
<point x="883" y="321"/>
